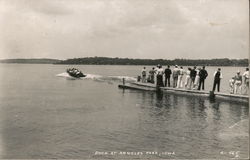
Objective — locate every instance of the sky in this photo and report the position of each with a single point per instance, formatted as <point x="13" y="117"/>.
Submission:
<point x="157" y="29"/>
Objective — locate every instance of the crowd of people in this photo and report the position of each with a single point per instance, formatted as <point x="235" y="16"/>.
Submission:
<point x="240" y="83"/>
<point x="193" y="78"/>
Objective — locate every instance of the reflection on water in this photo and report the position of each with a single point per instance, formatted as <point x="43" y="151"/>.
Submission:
<point x="199" y="122"/>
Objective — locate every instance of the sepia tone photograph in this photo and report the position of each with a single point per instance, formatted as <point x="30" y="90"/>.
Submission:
<point x="124" y="79"/>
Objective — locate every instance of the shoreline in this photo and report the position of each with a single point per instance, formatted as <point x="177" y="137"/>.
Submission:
<point x="244" y="62"/>
<point x="127" y="64"/>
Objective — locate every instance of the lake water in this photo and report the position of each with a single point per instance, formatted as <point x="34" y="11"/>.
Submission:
<point x="46" y="115"/>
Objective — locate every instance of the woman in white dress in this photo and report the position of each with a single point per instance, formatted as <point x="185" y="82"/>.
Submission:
<point x="237" y="83"/>
<point x="180" y="78"/>
<point x="188" y="79"/>
<point x="197" y="79"/>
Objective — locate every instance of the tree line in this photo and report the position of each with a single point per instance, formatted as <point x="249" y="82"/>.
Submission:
<point x="128" y="61"/>
<point x="31" y="61"/>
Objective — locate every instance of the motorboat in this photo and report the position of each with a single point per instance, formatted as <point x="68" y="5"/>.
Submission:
<point x="73" y="72"/>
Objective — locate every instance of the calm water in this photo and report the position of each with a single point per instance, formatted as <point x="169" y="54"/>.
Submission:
<point x="46" y="116"/>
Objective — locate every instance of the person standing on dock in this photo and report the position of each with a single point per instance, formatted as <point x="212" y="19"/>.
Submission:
<point x="188" y="79"/>
<point x="231" y="85"/>
<point x="144" y="74"/>
<point x="197" y="78"/>
<point x="192" y="76"/>
<point x="246" y="80"/>
<point x="168" y="73"/>
<point x="180" y="78"/>
<point x="237" y="83"/>
<point x="175" y="76"/>
<point x="152" y="75"/>
<point x="217" y="78"/>
<point x="159" y="76"/>
<point x="203" y="75"/>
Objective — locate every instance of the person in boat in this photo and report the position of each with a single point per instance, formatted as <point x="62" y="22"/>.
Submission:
<point x="188" y="79"/>
<point x="78" y="73"/>
<point x="75" y="70"/>
<point x="168" y="73"/>
<point x="69" y="70"/>
<point x="217" y="79"/>
<point x="237" y="83"/>
<point x="203" y="75"/>
<point x="175" y="76"/>
<point x="144" y="74"/>
<point x="159" y="76"/>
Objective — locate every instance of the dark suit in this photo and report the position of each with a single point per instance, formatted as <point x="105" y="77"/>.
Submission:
<point x="203" y="75"/>
<point x="217" y="78"/>
<point x="168" y="73"/>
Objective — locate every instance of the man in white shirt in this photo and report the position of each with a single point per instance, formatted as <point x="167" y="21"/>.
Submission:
<point x="246" y="80"/>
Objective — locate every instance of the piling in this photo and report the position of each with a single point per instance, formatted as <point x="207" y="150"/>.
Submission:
<point x="211" y="95"/>
<point x="123" y="81"/>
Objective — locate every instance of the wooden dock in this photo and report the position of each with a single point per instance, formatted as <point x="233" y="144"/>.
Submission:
<point x="152" y="87"/>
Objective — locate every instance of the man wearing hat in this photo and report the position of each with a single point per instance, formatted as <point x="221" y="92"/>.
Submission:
<point x="203" y="75"/>
<point x="217" y="78"/>
<point x="168" y="73"/>
<point x="192" y="76"/>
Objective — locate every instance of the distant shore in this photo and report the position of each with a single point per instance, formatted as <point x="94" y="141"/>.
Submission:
<point x="31" y="61"/>
<point x="128" y="61"/>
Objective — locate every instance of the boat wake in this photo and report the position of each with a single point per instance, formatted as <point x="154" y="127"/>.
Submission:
<point x="99" y="78"/>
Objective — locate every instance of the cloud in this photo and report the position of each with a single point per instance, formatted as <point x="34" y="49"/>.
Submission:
<point x="124" y="28"/>
<point x="48" y="7"/>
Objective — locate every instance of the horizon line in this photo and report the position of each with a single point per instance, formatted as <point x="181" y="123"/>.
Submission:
<point x="125" y="58"/>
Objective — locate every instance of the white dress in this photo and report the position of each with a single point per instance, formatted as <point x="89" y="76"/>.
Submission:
<point x="197" y="79"/>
